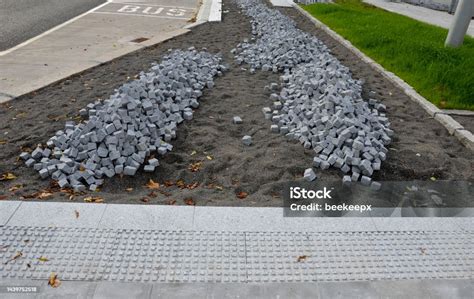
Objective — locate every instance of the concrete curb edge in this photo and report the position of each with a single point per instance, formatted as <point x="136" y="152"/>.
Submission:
<point x="453" y="127"/>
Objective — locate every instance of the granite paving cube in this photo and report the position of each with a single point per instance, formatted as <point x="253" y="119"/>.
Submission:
<point x="149" y="168"/>
<point x="375" y="186"/>
<point x="130" y="170"/>
<point x="153" y="162"/>
<point x="247" y="140"/>
<point x="237" y="120"/>
<point x="135" y="119"/>
<point x="30" y="162"/>
<point x="44" y="173"/>
<point x="25" y="156"/>
<point x="309" y="175"/>
<point x="346" y="180"/>
<point x="118" y="169"/>
<point x="365" y="180"/>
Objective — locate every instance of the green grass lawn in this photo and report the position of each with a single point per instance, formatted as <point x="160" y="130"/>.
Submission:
<point x="412" y="50"/>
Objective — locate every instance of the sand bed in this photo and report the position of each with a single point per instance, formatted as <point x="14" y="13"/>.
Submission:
<point x="422" y="149"/>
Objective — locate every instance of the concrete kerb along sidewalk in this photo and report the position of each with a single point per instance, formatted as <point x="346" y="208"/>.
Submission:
<point x="454" y="128"/>
<point x="108" y="31"/>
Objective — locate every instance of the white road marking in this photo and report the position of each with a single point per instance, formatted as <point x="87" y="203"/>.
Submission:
<point x="147" y="4"/>
<point x="2" y="53"/>
<point x="137" y="15"/>
<point x="149" y="10"/>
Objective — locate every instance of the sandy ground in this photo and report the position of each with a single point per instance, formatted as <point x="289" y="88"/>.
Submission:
<point x="422" y="148"/>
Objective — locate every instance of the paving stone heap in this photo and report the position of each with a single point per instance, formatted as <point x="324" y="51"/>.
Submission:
<point x="140" y="118"/>
<point x="319" y="103"/>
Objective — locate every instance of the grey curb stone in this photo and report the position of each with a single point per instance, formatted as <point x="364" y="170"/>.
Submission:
<point x="466" y="138"/>
<point x="448" y="122"/>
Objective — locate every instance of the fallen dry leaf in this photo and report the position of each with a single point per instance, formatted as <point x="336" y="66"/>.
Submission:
<point x="16" y="256"/>
<point x="194" y="167"/>
<point x="302" y="258"/>
<point x="172" y="202"/>
<point x="129" y="189"/>
<point x="25" y="149"/>
<point x="423" y="250"/>
<point x="242" y="195"/>
<point x="145" y="199"/>
<point x="209" y="158"/>
<point x="275" y="195"/>
<point x="193" y="153"/>
<point x="3" y="141"/>
<point x="152" y="185"/>
<point x="189" y="202"/>
<point x="169" y="183"/>
<point x="53" y="280"/>
<point x="167" y="194"/>
<point x="193" y="186"/>
<point x="15" y="188"/>
<point x="152" y="194"/>
<point x="44" y="195"/>
<point x="43" y="259"/>
<point x="7" y="176"/>
<point x="96" y="199"/>
<point x="181" y="184"/>
<point x="2" y="197"/>
<point x="69" y="191"/>
<point x="76" y="212"/>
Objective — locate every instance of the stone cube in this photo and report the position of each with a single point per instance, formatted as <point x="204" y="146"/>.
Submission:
<point x="237" y="120"/>
<point x="309" y="175"/>
<point x="247" y="140"/>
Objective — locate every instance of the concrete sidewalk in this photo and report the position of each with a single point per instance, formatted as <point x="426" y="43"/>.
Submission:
<point x="186" y="244"/>
<point x="376" y="289"/>
<point x="226" y="219"/>
<point x="108" y="31"/>
<point x="426" y="15"/>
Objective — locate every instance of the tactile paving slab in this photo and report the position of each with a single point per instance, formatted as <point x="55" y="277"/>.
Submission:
<point x="198" y="256"/>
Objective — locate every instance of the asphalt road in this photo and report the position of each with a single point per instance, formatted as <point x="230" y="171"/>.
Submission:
<point x="21" y="20"/>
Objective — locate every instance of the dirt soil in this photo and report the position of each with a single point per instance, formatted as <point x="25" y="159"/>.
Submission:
<point x="421" y="150"/>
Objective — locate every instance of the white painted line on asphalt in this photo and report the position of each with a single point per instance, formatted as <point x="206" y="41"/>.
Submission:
<point x="146" y="4"/>
<point x="138" y="15"/>
<point x="53" y="29"/>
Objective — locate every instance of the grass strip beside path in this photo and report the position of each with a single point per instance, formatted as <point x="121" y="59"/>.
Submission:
<point x="412" y="50"/>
